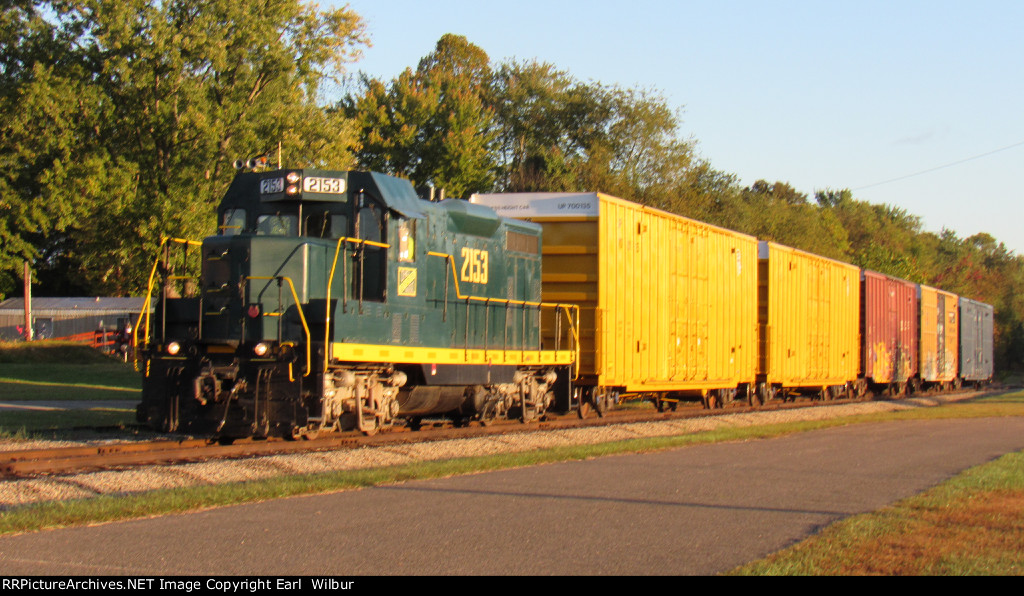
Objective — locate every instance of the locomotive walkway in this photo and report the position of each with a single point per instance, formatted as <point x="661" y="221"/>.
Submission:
<point x="696" y="510"/>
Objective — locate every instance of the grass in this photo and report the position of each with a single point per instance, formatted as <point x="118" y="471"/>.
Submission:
<point x="972" y="524"/>
<point x="49" y="352"/>
<point x="63" y="371"/>
<point x="62" y="424"/>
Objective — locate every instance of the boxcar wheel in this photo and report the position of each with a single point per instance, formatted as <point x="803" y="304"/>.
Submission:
<point x="601" y="403"/>
<point x="487" y="418"/>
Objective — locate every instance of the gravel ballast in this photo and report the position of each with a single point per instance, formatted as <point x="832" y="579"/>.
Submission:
<point x="138" y="480"/>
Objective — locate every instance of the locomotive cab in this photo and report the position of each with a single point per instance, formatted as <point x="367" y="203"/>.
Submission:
<point x="340" y="300"/>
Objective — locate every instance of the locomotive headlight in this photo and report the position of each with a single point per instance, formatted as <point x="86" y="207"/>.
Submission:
<point x="261" y="349"/>
<point x="292" y="189"/>
<point x="173" y="348"/>
<point x="293" y="177"/>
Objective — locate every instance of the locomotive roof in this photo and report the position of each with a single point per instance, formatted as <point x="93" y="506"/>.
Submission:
<point x="269" y="187"/>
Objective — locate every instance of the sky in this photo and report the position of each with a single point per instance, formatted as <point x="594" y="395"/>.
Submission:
<point x="914" y="104"/>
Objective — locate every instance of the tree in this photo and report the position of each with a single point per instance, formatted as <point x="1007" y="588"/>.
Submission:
<point x="431" y="124"/>
<point x="778" y="212"/>
<point x="126" y="116"/>
<point x="533" y="103"/>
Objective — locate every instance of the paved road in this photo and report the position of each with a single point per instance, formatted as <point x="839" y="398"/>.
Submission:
<point x="697" y="510"/>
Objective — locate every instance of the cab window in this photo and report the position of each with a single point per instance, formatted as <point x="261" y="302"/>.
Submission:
<point x="233" y="222"/>
<point x="277" y="225"/>
<point x="371" y="259"/>
<point x="317" y="225"/>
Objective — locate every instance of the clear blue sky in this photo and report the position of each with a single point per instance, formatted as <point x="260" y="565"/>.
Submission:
<point x="816" y="93"/>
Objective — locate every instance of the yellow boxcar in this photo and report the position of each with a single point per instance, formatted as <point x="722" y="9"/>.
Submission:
<point x="939" y="338"/>
<point x="667" y="304"/>
<point x="808" y="317"/>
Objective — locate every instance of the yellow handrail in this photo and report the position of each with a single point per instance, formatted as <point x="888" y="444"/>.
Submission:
<point x="574" y="328"/>
<point x="302" y="316"/>
<point x="330" y="282"/>
<point x="145" y="312"/>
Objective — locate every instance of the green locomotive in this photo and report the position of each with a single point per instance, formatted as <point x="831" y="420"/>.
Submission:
<point x="341" y="300"/>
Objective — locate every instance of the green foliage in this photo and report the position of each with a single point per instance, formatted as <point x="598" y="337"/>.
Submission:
<point x="456" y="123"/>
<point x="125" y="117"/>
<point x="431" y="124"/>
<point x="559" y="134"/>
<point x="779" y="213"/>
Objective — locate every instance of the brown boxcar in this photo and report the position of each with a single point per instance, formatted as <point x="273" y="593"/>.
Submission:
<point x="939" y="325"/>
<point x="888" y="331"/>
<point x="808" y="313"/>
<point x="667" y="304"/>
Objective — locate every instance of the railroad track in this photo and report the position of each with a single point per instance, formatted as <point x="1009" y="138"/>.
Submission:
<point x="67" y="460"/>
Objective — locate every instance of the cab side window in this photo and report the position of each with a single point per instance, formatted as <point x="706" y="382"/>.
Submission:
<point x="407" y="241"/>
<point x="371" y="261"/>
<point x="233" y="222"/>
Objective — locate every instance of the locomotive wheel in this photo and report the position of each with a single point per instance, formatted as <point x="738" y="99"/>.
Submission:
<point x="304" y="433"/>
<point x="584" y="408"/>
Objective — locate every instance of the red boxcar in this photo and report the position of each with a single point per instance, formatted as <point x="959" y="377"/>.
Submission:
<point x="888" y="331"/>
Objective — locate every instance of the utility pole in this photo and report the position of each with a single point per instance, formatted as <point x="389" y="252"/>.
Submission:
<point x="28" y="303"/>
